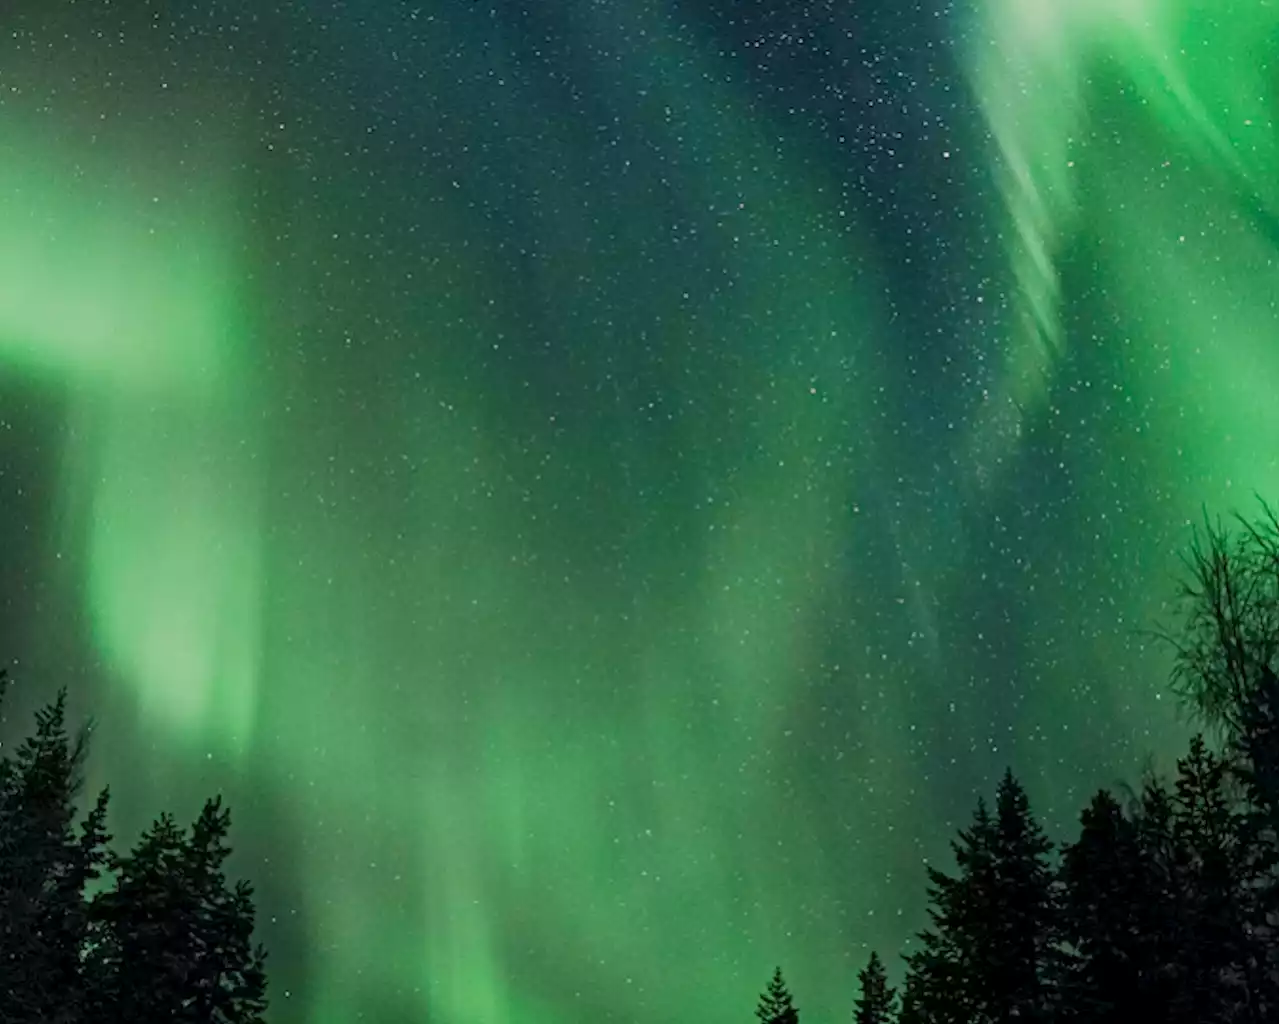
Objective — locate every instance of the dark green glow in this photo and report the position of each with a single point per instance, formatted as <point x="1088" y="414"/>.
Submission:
<point x="612" y="703"/>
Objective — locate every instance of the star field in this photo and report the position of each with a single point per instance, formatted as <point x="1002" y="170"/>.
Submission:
<point x="602" y="487"/>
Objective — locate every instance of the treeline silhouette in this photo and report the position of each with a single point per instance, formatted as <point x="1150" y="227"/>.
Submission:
<point x="89" y="936"/>
<point x="1163" y="908"/>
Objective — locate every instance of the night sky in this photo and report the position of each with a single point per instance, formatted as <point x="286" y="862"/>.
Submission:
<point x="602" y="486"/>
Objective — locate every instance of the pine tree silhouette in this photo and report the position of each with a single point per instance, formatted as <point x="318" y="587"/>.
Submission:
<point x="875" y="1001"/>
<point x="776" y="1006"/>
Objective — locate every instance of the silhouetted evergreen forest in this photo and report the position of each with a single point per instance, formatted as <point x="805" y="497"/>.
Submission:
<point x="89" y="936"/>
<point x="1162" y="908"/>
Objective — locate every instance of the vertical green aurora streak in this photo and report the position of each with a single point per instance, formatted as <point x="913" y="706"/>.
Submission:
<point x="590" y="686"/>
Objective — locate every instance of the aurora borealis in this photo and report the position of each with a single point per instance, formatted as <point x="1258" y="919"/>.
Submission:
<point x="602" y="486"/>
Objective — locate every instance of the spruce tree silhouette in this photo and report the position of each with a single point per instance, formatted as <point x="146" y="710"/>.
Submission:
<point x="937" y="989"/>
<point x="992" y="951"/>
<point x="1257" y="746"/>
<point x="1254" y="760"/>
<point x="1025" y="959"/>
<point x="776" y="1005"/>
<point x="1109" y="906"/>
<point x="228" y="981"/>
<point x="165" y="941"/>
<point x="1213" y="948"/>
<point x="44" y="868"/>
<point x="934" y="991"/>
<point x="1162" y="925"/>
<point x="875" y="1001"/>
<point x="174" y="943"/>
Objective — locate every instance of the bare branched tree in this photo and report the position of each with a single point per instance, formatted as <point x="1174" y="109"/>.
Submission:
<point x="1227" y="642"/>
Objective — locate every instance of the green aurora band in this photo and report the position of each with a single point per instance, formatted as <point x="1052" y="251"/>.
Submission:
<point x="523" y="700"/>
